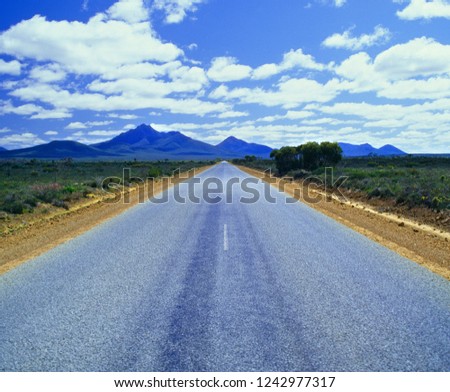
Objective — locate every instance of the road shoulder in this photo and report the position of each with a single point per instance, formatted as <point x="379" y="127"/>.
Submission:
<point x="39" y="236"/>
<point x="423" y="244"/>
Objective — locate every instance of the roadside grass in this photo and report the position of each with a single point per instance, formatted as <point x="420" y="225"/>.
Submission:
<point x="410" y="181"/>
<point x="28" y="184"/>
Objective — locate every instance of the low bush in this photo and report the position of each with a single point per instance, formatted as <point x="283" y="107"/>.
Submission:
<point x="60" y="204"/>
<point x="18" y="204"/>
<point x="46" y="192"/>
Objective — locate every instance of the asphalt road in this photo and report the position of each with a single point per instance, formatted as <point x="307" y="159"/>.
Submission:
<point x="227" y="286"/>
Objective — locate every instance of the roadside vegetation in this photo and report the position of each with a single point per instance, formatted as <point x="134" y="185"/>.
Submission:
<point x="308" y="156"/>
<point x="29" y="184"/>
<point x="407" y="181"/>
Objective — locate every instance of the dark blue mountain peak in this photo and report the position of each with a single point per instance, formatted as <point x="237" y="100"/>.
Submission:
<point x="144" y="142"/>
<point x="240" y="147"/>
<point x="360" y="150"/>
<point x="232" y="142"/>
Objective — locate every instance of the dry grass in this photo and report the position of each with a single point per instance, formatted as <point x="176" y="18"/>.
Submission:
<point x="26" y="240"/>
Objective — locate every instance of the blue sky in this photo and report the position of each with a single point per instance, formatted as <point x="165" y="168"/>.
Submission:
<point x="267" y="71"/>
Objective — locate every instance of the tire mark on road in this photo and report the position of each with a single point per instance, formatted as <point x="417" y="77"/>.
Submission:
<point x="186" y="348"/>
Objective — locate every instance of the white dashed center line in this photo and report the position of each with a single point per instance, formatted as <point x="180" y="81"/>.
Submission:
<point x="225" y="237"/>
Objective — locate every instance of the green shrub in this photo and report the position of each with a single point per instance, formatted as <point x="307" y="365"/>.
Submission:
<point x="153" y="172"/>
<point x="69" y="189"/>
<point x="60" y="204"/>
<point x="15" y="204"/>
<point x="46" y="192"/>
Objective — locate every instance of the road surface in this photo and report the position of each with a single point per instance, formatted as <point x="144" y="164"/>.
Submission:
<point x="223" y="285"/>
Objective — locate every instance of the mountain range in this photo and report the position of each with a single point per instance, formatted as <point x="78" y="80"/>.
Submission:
<point x="361" y="150"/>
<point x="145" y="143"/>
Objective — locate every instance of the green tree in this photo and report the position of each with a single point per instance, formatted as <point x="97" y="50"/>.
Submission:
<point x="153" y="172"/>
<point x="286" y="159"/>
<point x="311" y="154"/>
<point x="331" y="154"/>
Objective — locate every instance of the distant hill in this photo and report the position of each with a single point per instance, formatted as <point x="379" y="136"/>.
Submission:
<point x="56" y="149"/>
<point x="234" y="146"/>
<point x="361" y="150"/>
<point x="146" y="143"/>
<point x="432" y="155"/>
<point x="143" y="143"/>
<point x="3" y="149"/>
<point x="389" y="149"/>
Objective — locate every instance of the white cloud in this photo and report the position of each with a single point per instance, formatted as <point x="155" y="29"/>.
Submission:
<point x="123" y="116"/>
<point x="364" y="110"/>
<point x="5" y="130"/>
<point x="297" y="115"/>
<point x="190" y="126"/>
<point x="104" y="133"/>
<point x="51" y="133"/>
<point x="99" y="46"/>
<point x="141" y="82"/>
<point x="339" y="3"/>
<point x="24" y="110"/>
<point x="34" y="111"/>
<point x="290" y="93"/>
<point x="232" y="114"/>
<point x="22" y="140"/>
<point x="148" y="87"/>
<point x="226" y="69"/>
<point x="414" y="128"/>
<point x="129" y="100"/>
<point x="427" y="116"/>
<point x="296" y="58"/>
<point x="188" y="78"/>
<point x="330" y="121"/>
<point x="290" y="115"/>
<point x="432" y="88"/>
<point x="418" y="69"/>
<point x="291" y="60"/>
<point x="98" y="123"/>
<point x="191" y="129"/>
<point x="346" y="40"/>
<point x="80" y="125"/>
<point x="359" y="70"/>
<point x="141" y="70"/>
<point x="354" y="131"/>
<point x="425" y="9"/>
<point x="176" y="10"/>
<point x="141" y="87"/>
<point x="416" y="58"/>
<point x="131" y="11"/>
<point x="10" y="67"/>
<point x="76" y="125"/>
<point x="332" y="3"/>
<point x="266" y="71"/>
<point x="51" y="114"/>
<point x="48" y="73"/>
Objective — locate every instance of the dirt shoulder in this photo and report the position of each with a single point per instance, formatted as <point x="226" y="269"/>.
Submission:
<point x="423" y="243"/>
<point x="25" y="240"/>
